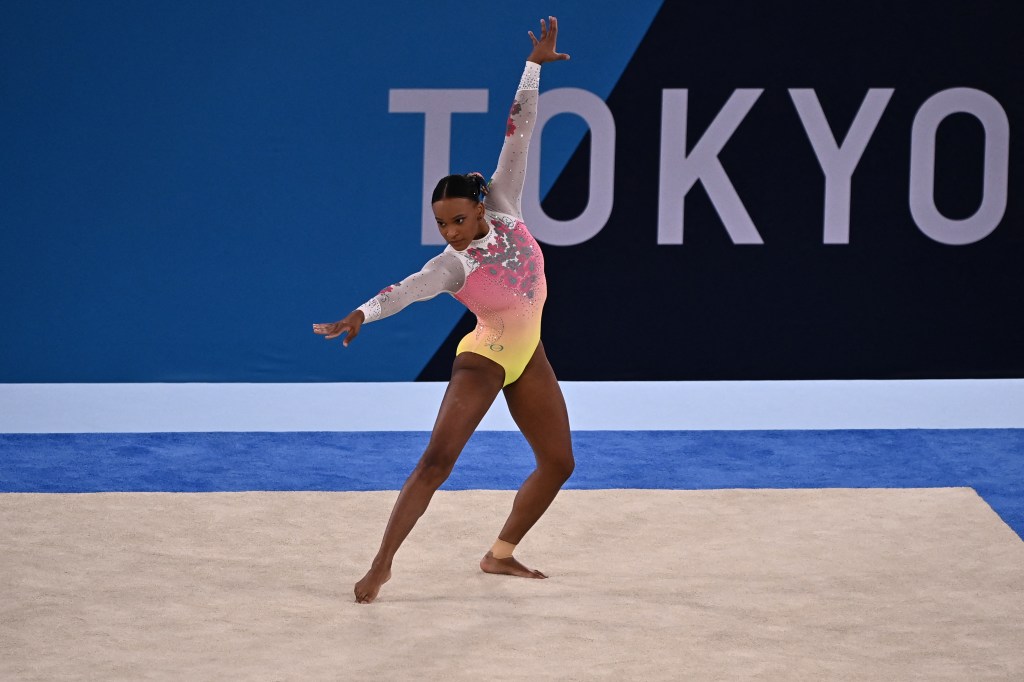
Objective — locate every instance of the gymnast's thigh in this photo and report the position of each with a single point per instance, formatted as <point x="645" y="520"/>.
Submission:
<point x="536" y="404"/>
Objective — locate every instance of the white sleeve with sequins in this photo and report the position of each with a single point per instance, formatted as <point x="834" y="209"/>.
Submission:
<point x="442" y="274"/>
<point x="506" y="186"/>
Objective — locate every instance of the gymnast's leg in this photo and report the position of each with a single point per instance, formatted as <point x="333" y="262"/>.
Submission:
<point x="536" y="404"/>
<point x="474" y="385"/>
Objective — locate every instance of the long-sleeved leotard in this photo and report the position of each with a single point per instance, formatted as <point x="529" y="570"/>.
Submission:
<point x="500" y="276"/>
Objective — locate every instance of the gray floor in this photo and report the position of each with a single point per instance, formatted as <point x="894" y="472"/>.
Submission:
<point x="731" y="585"/>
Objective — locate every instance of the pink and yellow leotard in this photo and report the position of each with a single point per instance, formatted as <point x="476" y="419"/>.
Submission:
<point x="500" y="276"/>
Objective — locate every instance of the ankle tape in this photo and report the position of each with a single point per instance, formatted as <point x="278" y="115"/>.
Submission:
<point x="502" y="549"/>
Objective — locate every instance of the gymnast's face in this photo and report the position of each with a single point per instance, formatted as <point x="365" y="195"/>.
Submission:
<point x="460" y="221"/>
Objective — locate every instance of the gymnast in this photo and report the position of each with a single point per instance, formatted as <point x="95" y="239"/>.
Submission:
<point x="493" y="266"/>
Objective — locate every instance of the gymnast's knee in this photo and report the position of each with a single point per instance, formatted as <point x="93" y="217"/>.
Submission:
<point x="436" y="465"/>
<point x="561" y="467"/>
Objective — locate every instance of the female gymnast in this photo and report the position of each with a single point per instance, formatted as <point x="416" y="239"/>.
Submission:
<point x="495" y="268"/>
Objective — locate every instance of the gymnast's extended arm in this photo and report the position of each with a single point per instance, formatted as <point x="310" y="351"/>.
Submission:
<point x="442" y="274"/>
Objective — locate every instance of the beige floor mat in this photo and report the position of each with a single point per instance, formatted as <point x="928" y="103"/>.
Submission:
<point x="851" y="584"/>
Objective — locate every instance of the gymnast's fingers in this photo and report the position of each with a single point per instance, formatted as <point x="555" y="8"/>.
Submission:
<point x="353" y="332"/>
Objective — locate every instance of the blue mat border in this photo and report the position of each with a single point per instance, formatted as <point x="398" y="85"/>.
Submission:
<point x="989" y="460"/>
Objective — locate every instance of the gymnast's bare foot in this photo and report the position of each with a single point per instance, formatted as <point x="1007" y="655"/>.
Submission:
<point x="507" y="566"/>
<point x="366" y="589"/>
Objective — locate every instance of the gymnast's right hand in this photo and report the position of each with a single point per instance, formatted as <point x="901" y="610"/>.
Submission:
<point x="350" y="325"/>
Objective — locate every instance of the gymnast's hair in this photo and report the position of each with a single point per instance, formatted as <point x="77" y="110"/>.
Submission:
<point x="470" y="186"/>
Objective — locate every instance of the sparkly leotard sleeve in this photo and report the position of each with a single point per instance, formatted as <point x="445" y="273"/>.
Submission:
<point x="500" y="276"/>
<point x="441" y="274"/>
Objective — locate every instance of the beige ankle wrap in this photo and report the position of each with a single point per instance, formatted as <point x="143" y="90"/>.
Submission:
<point x="502" y="549"/>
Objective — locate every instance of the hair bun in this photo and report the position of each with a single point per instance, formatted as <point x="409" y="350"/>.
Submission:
<point x="481" y="184"/>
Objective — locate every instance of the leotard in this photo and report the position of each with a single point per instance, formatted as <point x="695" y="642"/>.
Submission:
<point x="500" y="276"/>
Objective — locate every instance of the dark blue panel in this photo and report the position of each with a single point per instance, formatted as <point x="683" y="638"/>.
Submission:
<point x="892" y="303"/>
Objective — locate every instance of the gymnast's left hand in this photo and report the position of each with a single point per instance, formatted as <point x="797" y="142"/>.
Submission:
<point x="544" y="50"/>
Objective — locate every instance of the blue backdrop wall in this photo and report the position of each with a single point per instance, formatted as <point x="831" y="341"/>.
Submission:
<point x="805" y="192"/>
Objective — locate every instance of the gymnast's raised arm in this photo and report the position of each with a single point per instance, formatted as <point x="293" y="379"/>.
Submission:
<point x="506" y="186"/>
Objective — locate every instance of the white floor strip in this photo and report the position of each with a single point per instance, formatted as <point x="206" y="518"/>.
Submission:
<point x="77" y="408"/>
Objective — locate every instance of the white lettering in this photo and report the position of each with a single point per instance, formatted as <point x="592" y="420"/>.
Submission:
<point x="437" y="105"/>
<point x="679" y="171"/>
<point x="839" y="161"/>
<point x="598" y="118"/>
<point x="995" y="179"/>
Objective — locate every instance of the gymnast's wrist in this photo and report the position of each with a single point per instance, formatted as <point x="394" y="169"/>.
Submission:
<point x="531" y="76"/>
<point x="366" y="310"/>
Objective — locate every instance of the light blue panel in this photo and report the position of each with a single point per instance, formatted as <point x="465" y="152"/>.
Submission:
<point x="186" y="186"/>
